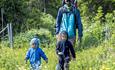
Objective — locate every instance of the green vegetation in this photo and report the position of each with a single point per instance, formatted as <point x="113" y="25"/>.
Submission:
<point x="95" y="58"/>
<point x="97" y="51"/>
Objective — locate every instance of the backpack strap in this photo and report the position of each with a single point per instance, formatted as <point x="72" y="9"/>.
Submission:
<point x="74" y="11"/>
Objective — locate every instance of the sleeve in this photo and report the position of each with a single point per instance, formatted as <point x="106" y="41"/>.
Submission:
<point x="72" y="50"/>
<point x="79" y="23"/>
<point x="42" y="54"/>
<point x="27" y="55"/>
<point x="58" y="20"/>
<point x="57" y="47"/>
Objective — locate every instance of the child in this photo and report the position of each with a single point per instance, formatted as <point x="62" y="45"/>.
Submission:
<point x="34" y="54"/>
<point x="63" y="49"/>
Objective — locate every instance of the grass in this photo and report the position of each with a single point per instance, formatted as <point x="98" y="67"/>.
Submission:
<point x="93" y="58"/>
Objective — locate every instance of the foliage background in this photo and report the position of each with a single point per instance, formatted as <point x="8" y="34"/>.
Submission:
<point x="38" y="16"/>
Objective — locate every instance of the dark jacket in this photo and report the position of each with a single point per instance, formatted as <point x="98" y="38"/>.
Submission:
<point x="68" y="48"/>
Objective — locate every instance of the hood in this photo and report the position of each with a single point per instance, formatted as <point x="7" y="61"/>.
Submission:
<point x="35" y="41"/>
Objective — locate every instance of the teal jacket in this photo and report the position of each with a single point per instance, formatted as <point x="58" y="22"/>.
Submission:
<point x="77" y="22"/>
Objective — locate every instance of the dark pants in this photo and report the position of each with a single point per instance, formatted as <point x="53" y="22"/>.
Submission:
<point x="63" y="64"/>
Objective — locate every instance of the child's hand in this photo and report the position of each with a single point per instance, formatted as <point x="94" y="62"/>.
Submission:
<point x="25" y="61"/>
<point x="60" y="53"/>
<point x="46" y="61"/>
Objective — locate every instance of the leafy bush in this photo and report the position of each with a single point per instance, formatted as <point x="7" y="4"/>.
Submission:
<point x="23" y="39"/>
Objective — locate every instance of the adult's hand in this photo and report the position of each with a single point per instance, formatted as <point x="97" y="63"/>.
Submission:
<point x="79" y="39"/>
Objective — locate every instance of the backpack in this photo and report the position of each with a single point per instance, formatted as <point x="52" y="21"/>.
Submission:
<point x="68" y="23"/>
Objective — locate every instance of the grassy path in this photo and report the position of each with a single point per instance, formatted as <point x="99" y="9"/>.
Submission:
<point x="95" y="58"/>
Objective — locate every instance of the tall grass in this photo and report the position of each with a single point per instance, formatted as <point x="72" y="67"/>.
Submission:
<point x="95" y="58"/>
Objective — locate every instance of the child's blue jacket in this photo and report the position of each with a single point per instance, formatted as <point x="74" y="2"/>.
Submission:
<point x="34" y="55"/>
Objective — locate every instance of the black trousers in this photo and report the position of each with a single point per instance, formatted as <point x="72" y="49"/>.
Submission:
<point x="64" y="63"/>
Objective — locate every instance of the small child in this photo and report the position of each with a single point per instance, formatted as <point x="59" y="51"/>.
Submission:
<point x="63" y="49"/>
<point x="34" y="54"/>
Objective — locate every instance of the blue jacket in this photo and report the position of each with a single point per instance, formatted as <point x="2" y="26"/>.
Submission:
<point x="34" y="54"/>
<point x="78" y="23"/>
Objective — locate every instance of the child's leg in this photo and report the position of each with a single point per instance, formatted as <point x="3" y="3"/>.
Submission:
<point x="35" y="67"/>
<point x="66" y="66"/>
<point x="61" y="63"/>
<point x="32" y="67"/>
<point x="58" y="67"/>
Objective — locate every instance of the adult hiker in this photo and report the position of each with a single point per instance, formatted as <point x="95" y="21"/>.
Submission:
<point x="68" y="19"/>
